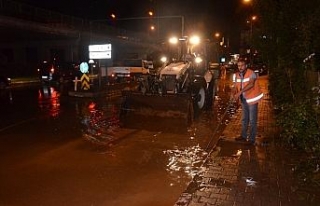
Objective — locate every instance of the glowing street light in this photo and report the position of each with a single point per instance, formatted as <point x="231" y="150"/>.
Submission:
<point x="163" y="59"/>
<point x="251" y="21"/>
<point x="253" y="18"/>
<point x="146" y="18"/>
<point x="246" y="1"/>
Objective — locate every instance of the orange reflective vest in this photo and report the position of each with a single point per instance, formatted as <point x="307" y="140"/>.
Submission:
<point x="253" y="95"/>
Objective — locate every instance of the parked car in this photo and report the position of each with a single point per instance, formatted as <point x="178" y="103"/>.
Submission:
<point x="68" y="71"/>
<point x="215" y="68"/>
<point x="48" y="71"/>
<point x="260" y="69"/>
<point x="4" y="81"/>
<point x="57" y="72"/>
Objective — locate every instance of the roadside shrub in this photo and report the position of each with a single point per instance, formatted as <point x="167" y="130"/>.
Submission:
<point x="299" y="127"/>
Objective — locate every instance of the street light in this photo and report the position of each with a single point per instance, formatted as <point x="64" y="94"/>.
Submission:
<point x="217" y="36"/>
<point x="247" y="1"/>
<point x="253" y="18"/>
<point x="147" y="18"/>
<point x="219" y="45"/>
<point x="251" y="21"/>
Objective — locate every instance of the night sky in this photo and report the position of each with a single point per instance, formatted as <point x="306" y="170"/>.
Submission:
<point x="208" y="17"/>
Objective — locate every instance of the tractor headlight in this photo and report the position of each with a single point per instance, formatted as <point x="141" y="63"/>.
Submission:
<point x="198" y="60"/>
<point x="163" y="59"/>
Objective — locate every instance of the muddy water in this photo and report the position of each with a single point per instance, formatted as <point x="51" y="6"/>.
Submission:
<point x="80" y="152"/>
<point x="150" y="160"/>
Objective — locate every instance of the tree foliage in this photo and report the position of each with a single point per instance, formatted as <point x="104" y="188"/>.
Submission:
<point x="289" y="32"/>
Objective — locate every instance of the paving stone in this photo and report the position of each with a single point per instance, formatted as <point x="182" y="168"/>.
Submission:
<point x="260" y="176"/>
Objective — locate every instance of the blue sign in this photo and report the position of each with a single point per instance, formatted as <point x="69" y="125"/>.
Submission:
<point x="84" y="67"/>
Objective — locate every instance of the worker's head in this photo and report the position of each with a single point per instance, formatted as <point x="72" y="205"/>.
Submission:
<point x="242" y="65"/>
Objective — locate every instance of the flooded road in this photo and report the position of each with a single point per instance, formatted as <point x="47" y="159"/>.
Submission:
<point x="59" y="150"/>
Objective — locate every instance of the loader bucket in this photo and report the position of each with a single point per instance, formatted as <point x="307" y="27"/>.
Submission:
<point x="171" y="106"/>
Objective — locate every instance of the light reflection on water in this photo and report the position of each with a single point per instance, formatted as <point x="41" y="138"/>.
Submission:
<point x="99" y="117"/>
<point x="100" y="122"/>
<point x="185" y="160"/>
<point x="49" y="100"/>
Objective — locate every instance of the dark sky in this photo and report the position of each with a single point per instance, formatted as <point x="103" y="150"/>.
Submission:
<point x="206" y="16"/>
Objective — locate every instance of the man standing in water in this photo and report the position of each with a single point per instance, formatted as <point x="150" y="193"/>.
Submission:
<point x="246" y="88"/>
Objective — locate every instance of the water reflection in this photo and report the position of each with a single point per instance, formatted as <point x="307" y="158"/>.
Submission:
<point x="154" y="123"/>
<point x="100" y="122"/>
<point x="6" y="96"/>
<point x="185" y="160"/>
<point x="250" y="182"/>
<point x="49" y="100"/>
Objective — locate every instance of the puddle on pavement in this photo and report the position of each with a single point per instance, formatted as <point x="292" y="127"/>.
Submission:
<point x="100" y="122"/>
<point x="49" y="100"/>
<point x="187" y="160"/>
<point x="223" y="161"/>
<point x="182" y="145"/>
<point x="250" y="182"/>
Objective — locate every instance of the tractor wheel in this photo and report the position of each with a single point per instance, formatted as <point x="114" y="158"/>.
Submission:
<point x="191" y="114"/>
<point x="124" y="106"/>
<point x="201" y="98"/>
<point x="210" y="93"/>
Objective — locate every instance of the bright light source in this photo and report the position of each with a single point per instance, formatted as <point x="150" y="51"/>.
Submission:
<point x="173" y="40"/>
<point x="247" y="1"/>
<point x="163" y="59"/>
<point x="113" y="16"/>
<point x="92" y="105"/>
<point x="150" y="13"/>
<point x="152" y="28"/>
<point x="194" y="40"/>
<point x="198" y="60"/>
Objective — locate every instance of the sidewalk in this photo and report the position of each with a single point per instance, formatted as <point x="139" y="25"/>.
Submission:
<point x="241" y="174"/>
<point x="24" y="81"/>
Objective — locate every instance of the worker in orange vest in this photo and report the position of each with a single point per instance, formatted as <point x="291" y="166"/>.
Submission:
<point x="247" y="90"/>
